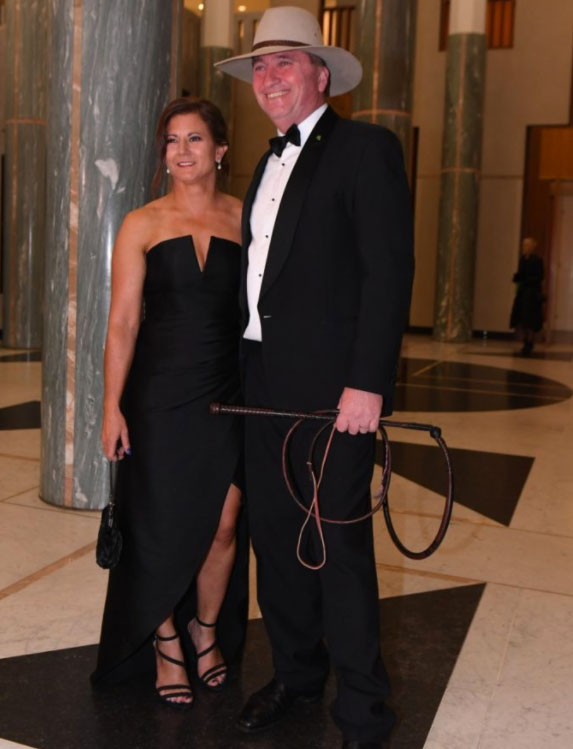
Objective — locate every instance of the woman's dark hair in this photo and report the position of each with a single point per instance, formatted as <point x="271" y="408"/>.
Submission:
<point x="207" y="111"/>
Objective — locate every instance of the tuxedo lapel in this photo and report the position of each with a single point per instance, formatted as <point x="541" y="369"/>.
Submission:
<point x="294" y="197"/>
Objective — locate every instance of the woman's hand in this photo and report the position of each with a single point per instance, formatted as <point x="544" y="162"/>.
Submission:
<point x="114" y="435"/>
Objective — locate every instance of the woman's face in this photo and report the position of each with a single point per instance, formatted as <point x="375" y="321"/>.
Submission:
<point x="191" y="153"/>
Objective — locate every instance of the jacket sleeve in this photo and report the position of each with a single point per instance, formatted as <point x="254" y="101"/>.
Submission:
<point x="381" y="208"/>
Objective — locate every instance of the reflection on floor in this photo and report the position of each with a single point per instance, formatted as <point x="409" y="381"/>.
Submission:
<point x="419" y="678"/>
<point x="478" y="638"/>
<point x="437" y="385"/>
<point x="551" y="354"/>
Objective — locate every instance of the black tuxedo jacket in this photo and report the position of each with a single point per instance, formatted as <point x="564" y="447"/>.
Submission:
<point x="337" y="283"/>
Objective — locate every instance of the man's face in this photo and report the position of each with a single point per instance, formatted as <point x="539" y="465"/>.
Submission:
<point x="288" y="86"/>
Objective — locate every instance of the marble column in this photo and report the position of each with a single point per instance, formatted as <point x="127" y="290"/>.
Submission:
<point x="460" y="173"/>
<point x="216" y="44"/>
<point x="385" y="45"/>
<point x="110" y="71"/>
<point x="25" y="170"/>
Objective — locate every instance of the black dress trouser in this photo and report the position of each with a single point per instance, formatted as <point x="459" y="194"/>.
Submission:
<point x="306" y="612"/>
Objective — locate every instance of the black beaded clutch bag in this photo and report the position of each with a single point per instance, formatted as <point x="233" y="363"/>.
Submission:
<point x="109" y="540"/>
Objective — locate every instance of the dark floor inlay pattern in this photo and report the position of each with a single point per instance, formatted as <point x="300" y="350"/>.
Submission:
<point x="20" y="416"/>
<point x="46" y="700"/>
<point x="26" y="356"/>
<point x="543" y="355"/>
<point x="488" y="483"/>
<point x="434" y="385"/>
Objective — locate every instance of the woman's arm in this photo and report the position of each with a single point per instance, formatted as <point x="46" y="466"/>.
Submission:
<point x="127" y="276"/>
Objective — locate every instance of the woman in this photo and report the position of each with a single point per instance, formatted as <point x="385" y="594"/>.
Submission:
<point x="171" y="349"/>
<point x="527" y="309"/>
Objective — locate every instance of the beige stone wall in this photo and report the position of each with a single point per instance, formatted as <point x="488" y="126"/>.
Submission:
<point x="2" y="84"/>
<point x="527" y="85"/>
<point x="250" y="127"/>
<point x="2" y="124"/>
<point x="190" y="42"/>
<point x="251" y="132"/>
<point x="428" y="116"/>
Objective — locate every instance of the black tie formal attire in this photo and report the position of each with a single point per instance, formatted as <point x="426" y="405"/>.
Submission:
<point x="333" y="306"/>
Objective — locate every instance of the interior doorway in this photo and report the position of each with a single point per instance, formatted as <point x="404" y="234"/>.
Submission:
<point x="548" y="218"/>
<point x="559" y="322"/>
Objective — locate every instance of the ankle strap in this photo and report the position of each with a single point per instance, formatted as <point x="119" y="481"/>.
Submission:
<point x="204" y="624"/>
<point x="165" y="639"/>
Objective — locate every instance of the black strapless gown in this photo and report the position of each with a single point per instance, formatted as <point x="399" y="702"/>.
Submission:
<point x="172" y="488"/>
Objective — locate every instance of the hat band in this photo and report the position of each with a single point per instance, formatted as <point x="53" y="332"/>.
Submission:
<point x="279" y="43"/>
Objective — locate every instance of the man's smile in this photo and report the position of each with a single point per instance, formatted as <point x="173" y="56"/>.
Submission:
<point x="276" y="94"/>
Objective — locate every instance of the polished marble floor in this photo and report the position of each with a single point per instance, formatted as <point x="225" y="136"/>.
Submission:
<point x="478" y="638"/>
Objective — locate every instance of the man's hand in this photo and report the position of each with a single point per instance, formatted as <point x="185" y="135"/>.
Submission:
<point x="359" y="411"/>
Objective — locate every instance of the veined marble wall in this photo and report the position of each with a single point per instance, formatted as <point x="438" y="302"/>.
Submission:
<point x="110" y="72"/>
<point x="25" y="193"/>
<point x="2" y="117"/>
<point x="385" y="46"/>
<point x="459" y="184"/>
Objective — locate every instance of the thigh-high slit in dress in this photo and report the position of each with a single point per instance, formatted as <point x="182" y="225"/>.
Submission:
<point x="172" y="488"/>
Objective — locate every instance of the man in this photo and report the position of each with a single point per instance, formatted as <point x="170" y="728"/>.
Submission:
<point x="325" y="293"/>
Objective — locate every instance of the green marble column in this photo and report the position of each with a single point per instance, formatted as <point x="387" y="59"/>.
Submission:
<point x="459" y="187"/>
<point x="25" y="191"/>
<point x="112" y="66"/>
<point x="216" y="45"/>
<point x="385" y="45"/>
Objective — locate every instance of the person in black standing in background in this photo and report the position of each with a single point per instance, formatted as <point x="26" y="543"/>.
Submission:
<point x="325" y="292"/>
<point x="527" y="310"/>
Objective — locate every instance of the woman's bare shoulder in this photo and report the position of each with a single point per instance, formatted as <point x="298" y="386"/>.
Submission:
<point x="147" y="213"/>
<point x="232" y="204"/>
<point x="232" y="208"/>
<point x="139" y="224"/>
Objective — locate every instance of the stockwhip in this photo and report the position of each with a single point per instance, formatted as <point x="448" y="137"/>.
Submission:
<point x="312" y="511"/>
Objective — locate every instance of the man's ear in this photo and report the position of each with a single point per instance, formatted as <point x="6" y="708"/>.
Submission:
<point x="323" y="78"/>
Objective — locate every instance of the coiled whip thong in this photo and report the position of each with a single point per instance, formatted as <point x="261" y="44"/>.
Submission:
<point x="329" y="419"/>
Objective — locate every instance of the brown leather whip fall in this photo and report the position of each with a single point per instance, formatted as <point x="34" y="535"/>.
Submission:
<point x="313" y="512"/>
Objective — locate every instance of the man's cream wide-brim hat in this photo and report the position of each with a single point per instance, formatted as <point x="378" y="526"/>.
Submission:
<point x="289" y="28"/>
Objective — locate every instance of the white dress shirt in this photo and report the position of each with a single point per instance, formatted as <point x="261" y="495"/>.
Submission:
<point x="263" y="216"/>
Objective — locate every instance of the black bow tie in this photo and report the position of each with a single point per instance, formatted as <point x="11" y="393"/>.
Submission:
<point x="278" y="143"/>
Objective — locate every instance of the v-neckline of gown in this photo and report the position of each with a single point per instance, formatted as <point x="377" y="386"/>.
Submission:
<point x="194" y="248"/>
<point x="200" y="268"/>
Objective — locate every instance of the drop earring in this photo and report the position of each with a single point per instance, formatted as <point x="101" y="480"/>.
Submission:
<point x="167" y="170"/>
<point x="219" y="166"/>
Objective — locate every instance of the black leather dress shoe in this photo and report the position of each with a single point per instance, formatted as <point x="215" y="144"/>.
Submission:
<point x="269" y="704"/>
<point x="361" y="745"/>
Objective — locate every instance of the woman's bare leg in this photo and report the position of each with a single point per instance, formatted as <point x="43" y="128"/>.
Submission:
<point x="212" y="582"/>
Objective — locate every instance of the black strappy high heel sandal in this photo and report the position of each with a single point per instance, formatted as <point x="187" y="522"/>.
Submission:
<point x="219" y="670"/>
<point x="165" y="692"/>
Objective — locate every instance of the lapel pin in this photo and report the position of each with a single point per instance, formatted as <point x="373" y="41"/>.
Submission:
<point x="319" y="137"/>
